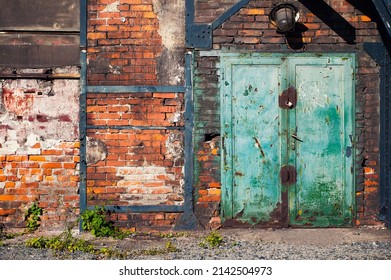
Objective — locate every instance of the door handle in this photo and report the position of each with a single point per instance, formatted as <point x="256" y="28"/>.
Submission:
<point x="294" y="136"/>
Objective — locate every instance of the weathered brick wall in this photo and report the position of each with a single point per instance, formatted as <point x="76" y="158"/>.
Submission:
<point x="141" y="42"/>
<point x="39" y="149"/>
<point x="135" y="167"/>
<point x="136" y="42"/>
<point x="249" y="30"/>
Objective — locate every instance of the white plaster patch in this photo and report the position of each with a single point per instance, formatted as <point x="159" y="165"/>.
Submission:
<point x="111" y="8"/>
<point x="171" y="22"/>
<point x="174" y="147"/>
<point x="148" y="185"/>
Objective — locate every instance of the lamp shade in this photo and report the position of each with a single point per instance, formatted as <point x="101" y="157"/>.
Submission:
<point x="284" y="17"/>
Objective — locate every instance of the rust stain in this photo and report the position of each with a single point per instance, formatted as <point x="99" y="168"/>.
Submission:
<point x="42" y="118"/>
<point x="64" y="118"/>
<point x="259" y="146"/>
<point x="288" y="98"/>
<point x="239" y="173"/>
<point x="288" y="175"/>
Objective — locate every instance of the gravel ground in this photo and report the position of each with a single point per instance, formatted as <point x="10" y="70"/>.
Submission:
<point x="250" y="244"/>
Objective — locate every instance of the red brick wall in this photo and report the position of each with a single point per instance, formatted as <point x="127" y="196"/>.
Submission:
<point x="141" y="42"/>
<point x="39" y="149"/>
<point x="123" y="42"/>
<point x="49" y="177"/>
<point x="136" y="42"/>
<point x="141" y="167"/>
<point x="249" y="30"/>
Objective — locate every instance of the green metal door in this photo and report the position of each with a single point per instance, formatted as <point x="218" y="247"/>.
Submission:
<point x="287" y="139"/>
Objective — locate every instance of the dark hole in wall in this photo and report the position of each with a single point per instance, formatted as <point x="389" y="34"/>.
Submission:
<point x="210" y="136"/>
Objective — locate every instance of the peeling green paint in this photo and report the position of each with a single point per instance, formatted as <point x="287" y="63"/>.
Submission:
<point x="313" y="137"/>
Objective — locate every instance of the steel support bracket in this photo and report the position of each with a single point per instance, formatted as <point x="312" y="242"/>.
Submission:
<point x="199" y="36"/>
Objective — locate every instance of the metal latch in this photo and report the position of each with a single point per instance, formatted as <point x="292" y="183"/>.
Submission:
<point x="288" y="98"/>
<point x="288" y="175"/>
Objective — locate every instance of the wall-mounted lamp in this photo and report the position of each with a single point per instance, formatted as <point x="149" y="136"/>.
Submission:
<point x="284" y="16"/>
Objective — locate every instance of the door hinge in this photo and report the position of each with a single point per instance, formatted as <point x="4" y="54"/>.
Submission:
<point x="288" y="175"/>
<point x="288" y="98"/>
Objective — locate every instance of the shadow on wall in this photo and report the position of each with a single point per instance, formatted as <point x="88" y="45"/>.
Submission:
<point x="332" y="19"/>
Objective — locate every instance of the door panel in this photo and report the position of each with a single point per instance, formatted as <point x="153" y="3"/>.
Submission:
<point x="318" y="197"/>
<point x="256" y="144"/>
<point x="313" y="137"/>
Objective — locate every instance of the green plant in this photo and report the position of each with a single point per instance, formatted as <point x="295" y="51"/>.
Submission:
<point x="32" y="217"/>
<point x="96" y="222"/>
<point x="168" y="248"/>
<point x="213" y="239"/>
<point x="66" y="242"/>
<point x="172" y="235"/>
<point x="63" y="242"/>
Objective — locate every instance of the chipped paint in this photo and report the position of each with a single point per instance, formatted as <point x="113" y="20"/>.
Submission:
<point x="36" y="111"/>
<point x="309" y="138"/>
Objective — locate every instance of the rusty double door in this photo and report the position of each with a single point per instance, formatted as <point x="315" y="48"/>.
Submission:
<point x="287" y="126"/>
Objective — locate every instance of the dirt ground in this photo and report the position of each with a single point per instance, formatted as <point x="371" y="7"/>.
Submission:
<point x="319" y="236"/>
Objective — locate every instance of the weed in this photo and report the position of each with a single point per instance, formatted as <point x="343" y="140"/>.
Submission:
<point x="172" y="234"/>
<point x="32" y="217"/>
<point x="213" y="240"/>
<point x="168" y="248"/>
<point x="96" y="222"/>
<point x="63" y="242"/>
<point x="66" y="242"/>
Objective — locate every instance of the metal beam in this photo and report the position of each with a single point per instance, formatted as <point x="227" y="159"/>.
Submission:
<point x="384" y="9"/>
<point x="135" y="89"/>
<point x="379" y="53"/>
<point x="132" y="127"/>
<point x="229" y="13"/>
<point x="83" y="23"/>
<point x="188" y="220"/>
<point x="83" y="110"/>
<point x="142" y="208"/>
<point x="201" y="35"/>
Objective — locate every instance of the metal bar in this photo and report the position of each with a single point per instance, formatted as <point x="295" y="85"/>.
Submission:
<point x="83" y="133"/>
<point x="189" y="125"/>
<point x="69" y="76"/>
<point x="143" y="208"/>
<point x="188" y="220"/>
<point x="83" y="110"/>
<point x="83" y="23"/>
<point x="387" y="186"/>
<point x="131" y="127"/>
<point x="384" y="155"/>
<point x="135" y="89"/>
<point x="384" y="13"/>
<point x="229" y="13"/>
<point x="189" y="6"/>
